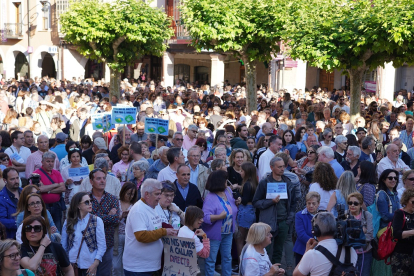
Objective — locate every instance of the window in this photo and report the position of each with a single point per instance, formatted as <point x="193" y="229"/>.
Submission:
<point x="45" y="14"/>
<point x="182" y="72"/>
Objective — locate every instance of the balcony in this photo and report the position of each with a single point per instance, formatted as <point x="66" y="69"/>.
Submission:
<point x="181" y="35"/>
<point x="13" y="30"/>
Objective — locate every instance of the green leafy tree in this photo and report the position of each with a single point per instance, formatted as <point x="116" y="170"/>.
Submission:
<point x="352" y="35"/>
<point x="250" y="29"/>
<point x="116" y="32"/>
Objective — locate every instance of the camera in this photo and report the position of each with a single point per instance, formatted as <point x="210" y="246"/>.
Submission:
<point x="35" y="179"/>
<point x="349" y="230"/>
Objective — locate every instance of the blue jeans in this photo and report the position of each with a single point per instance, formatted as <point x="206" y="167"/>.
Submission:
<point x="225" y="250"/>
<point x="105" y="267"/>
<point x="117" y="260"/>
<point x="364" y="263"/>
<point x="129" y="273"/>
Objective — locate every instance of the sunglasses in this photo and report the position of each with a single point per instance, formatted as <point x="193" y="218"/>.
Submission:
<point x="355" y="203"/>
<point x="73" y="149"/>
<point x="36" y="228"/>
<point x="87" y="202"/>
<point x="392" y="177"/>
<point x="5" y="159"/>
<point x="311" y="152"/>
<point x="179" y="139"/>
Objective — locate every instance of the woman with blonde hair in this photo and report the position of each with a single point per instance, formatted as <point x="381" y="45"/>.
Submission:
<point x="346" y="185"/>
<point x="10" y="120"/>
<point x="10" y="259"/>
<point x="254" y="260"/>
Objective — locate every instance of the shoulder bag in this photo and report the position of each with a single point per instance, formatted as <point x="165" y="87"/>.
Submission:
<point x="75" y="264"/>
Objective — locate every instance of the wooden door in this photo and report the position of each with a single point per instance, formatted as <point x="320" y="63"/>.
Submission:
<point x="326" y="79"/>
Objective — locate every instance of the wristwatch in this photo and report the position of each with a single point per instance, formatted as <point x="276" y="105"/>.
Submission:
<point x="179" y="213"/>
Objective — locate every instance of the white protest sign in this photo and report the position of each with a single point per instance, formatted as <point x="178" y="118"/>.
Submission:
<point x="180" y="257"/>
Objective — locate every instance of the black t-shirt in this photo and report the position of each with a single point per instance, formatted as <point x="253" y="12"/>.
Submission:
<point x="234" y="177"/>
<point x="88" y="154"/>
<point x="54" y="255"/>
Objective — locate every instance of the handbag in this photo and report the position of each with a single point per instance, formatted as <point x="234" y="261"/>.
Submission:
<point x="61" y="201"/>
<point x="386" y="243"/>
<point x="75" y="264"/>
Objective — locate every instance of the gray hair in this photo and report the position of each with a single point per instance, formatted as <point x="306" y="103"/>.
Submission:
<point x="48" y="155"/>
<point x="283" y="127"/>
<point x="341" y="139"/>
<point x="327" y="151"/>
<point x="97" y="134"/>
<point x="218" y="150"/>
<point x="274" y="160"/>
<point x="326" y="131"/>
<point x="150" y="185"/>
<point x="42" y="136"/>
<point x="326" y="223"/>
<point x="161" y="149"/>
<point x="397" y="140"/>
<point x="300" y="122"/>
<point x="366" y="142"/>
<point x="142" y="165"/>
<point x="193" y="127"/>
<point x="355" y="150"/>
<point x="177" y="133"/>
<point x="101" y="163"/>
<point x="194" y="148"/>
<point x="102" y="154"/>
<point x="121" y="129"/>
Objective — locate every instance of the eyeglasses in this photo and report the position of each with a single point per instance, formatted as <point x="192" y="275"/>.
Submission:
<point x="37" y="203"/>
<point x="355" y="203"/>
<point x="87" y="202"/>
<point x="177" y="139"/>
<point x="330" y="136"/>
<point x="392" y="177"/>
<point x="230" y="137"/>
<point x="13" y="256"/>
<point x="36" y="228"/>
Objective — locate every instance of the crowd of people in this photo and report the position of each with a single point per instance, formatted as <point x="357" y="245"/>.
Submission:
<point x="206" y="180"/>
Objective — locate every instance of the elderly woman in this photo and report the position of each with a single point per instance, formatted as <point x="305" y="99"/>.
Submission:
<point x="168" y="211"/>
<point x="303" y="224"/>
<point x="38" y="253"/>
<point x="10" y="259"/>
<point x="220" y="212"/>
<point x="254" y="260"/>
<point x="341" y="145"/>
<point x="402" y="224"/>
<point x="120" y="168"/>
<point x="354" y="203"/>
<point x="139" y="168"/>
<point x="327" y="139"/>
<point x="351" y="162"/>
<point x="408" y="181"/>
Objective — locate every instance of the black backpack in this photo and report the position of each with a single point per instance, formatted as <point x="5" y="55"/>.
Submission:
<point x="338" y="268"/>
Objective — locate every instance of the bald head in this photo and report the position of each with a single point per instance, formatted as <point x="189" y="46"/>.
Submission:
<point x="266" y="128"/>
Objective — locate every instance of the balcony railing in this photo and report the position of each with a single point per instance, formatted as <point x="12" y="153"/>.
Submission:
<point x="180" y="32"/>
<point x="13" y="30"/>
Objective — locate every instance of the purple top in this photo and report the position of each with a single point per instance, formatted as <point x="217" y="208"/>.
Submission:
<point x="212" y="206"/>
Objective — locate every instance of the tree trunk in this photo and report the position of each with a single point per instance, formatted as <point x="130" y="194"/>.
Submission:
<point x="251" y="89"/>
<point x="355" y="78"/>
<point x="115" y="82"/>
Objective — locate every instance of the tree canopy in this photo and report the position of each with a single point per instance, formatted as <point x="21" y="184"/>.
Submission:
<point x="116" y="32"/>
<point x="352" y="35"/>
<point x="249" y="29"/>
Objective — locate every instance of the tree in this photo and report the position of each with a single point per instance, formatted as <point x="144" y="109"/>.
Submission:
<point x="117" y="32"/>
<point x="249" y="29"/>
<point x="352" y="35"/>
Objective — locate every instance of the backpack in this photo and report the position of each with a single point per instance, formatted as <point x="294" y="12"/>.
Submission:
<point x="339" y="269"/>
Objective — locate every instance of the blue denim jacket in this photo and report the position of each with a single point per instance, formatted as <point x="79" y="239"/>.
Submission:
<point x="383" y="206"/>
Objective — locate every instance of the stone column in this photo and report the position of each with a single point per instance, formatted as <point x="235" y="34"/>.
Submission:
<point x="217" y="70"/>
<point x="168" y="69"/>
<point x="387" y="82"/>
